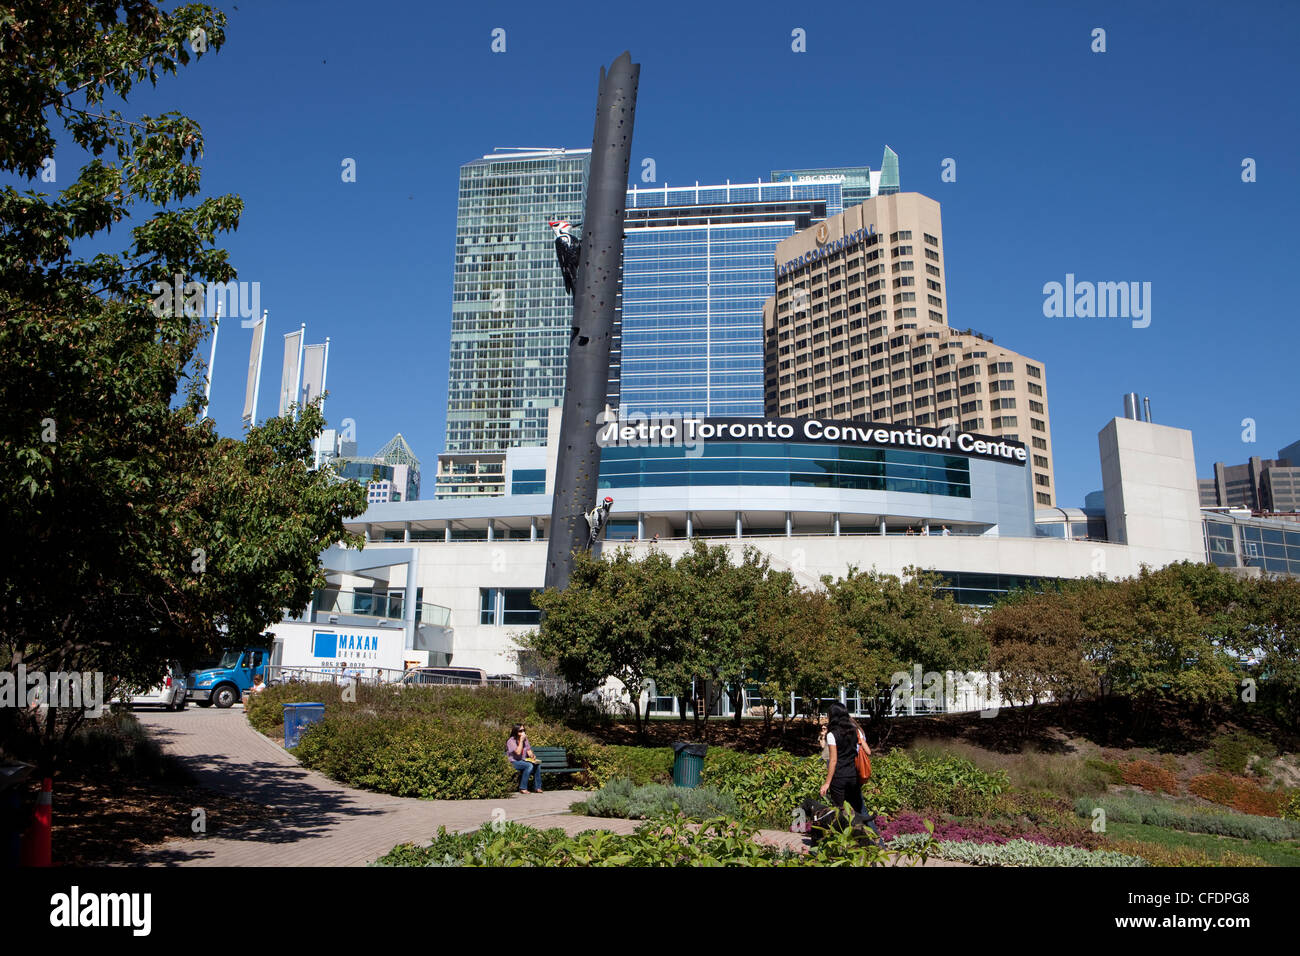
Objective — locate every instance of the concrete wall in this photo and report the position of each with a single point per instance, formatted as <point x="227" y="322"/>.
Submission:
<point x="1152" y="496"/>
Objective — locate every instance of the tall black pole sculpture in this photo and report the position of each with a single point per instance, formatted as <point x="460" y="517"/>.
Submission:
<point x="578" y="462"/>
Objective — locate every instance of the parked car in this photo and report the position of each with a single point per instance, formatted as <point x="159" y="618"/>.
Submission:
<point x="171" y="693"/>
<point x="429" y="676"/>
<point x="516" y="681"/>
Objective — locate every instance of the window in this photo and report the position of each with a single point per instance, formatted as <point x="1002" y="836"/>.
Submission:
<point x="931" y="254"/>
<point x="929" y="239"/>
<point x="1035" y="406"/>
<point x="1006" y="421"/>
<point x="528" y="481"/>
<point x="1037" y="425"/>
<point x="1033" y="371"/>
<point x="1043" y="499"/>
<point x="1040" y="444"/>
<point x="503" y="607"/>
<point x="1002" y="403"/>
<point x="1040" y="479"/>
<point x="999" y="367"/>
<point x="1040" y="461"/>
<point x="1035" y="389"/>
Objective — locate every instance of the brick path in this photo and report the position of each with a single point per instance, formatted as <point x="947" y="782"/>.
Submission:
<point x="324" y="823"/>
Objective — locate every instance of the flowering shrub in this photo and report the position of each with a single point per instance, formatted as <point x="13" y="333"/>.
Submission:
<point x="995" y="833"/>
<point x="1144" y="774"/>
<point x="1240" y="794"/>
<point x="1020" y="853"/>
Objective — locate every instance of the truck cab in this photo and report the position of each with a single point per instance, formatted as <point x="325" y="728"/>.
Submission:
<point x="226" y="682"/>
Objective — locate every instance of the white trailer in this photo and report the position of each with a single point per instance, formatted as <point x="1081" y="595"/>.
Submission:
<point x="320" y="651"/>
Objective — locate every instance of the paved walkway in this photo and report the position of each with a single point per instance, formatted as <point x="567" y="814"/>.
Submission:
<point x="321" y="822"/>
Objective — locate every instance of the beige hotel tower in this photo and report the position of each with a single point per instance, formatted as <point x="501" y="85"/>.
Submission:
<point x="858" y="329"/>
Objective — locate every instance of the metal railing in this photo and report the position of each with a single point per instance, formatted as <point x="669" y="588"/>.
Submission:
<point x="386" y="606"/>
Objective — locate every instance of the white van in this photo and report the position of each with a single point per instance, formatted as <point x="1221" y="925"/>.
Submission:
<point x="170" y="693"/>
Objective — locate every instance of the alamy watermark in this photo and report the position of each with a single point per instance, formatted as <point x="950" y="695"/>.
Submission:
<point x="68" y="690"/>
<point x="203" y="299"/>
<point x="1103" y="300"/>
<point x="942" y="691"/>
<point x="656" y="430"/>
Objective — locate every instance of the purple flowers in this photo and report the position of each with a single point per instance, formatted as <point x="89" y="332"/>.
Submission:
<point x="998" y="834"/>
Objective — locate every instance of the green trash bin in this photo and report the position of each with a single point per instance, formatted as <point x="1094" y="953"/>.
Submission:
<point x="688" y="761"/>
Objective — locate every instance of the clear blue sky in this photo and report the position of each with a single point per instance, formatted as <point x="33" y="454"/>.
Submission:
<point x="1115" y="166"/>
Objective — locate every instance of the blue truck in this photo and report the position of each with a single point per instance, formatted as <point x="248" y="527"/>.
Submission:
<point x="226" y="683"/>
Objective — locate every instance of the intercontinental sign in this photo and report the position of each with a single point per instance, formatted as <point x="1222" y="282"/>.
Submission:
<point x="822" y="251"/>
<point x="641" y="431"/>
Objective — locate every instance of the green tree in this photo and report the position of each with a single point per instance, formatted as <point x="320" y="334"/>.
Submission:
<point x="134" y="534"/>
<point x="898" y="623"/>
<point x="608" y="623"/>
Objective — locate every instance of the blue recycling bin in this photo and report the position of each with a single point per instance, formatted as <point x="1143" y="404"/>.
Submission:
<point x="297" y="718"/>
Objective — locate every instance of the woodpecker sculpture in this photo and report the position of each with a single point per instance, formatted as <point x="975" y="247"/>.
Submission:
<point x="596" y="519"/>
<point x="568" y="251"/>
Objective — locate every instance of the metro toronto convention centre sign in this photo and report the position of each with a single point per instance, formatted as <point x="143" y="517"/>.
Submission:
<point x="651" y="431"/>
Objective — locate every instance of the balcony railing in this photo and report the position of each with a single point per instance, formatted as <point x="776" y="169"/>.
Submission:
<point x="386" y="606"/>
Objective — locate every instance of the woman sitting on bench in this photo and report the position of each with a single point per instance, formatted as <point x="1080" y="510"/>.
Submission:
<point x="520" y="756"/>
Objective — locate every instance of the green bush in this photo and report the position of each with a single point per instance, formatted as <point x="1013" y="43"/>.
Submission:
<point x="410" y="755"/>
<point x="767" y="787"/>
<point x="902" y="781"/>
<point x="1141" y="808"/>
<point x="1232" y="752"/>
<point x="1018" y="853"/>
<point x="623" y="799"/>
<point x="1103" y="773"/>
<point x="671" y="842"/>
<point x="642" y="764"/>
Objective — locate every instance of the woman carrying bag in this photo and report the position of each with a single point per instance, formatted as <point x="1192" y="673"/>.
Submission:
<point x="520" y="756"/>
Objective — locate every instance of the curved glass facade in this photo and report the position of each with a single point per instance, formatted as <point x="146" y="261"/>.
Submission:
<point x="792" y="464"/>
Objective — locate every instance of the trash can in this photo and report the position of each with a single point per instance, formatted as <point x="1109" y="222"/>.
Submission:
<point x="688" y="761"/>
<point x="297" y="718"/>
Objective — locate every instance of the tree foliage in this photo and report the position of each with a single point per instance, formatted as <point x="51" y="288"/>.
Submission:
<point x="134" y="533"/>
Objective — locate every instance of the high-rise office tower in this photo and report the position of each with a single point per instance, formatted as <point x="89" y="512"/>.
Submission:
<point x="510" y="314"/>
<point x="858" y="329"/>
<point x="858" y="183"/>
<point x="697" y="267"/>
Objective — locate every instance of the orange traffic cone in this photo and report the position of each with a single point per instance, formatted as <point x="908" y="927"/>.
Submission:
<point x="36" y="841"/>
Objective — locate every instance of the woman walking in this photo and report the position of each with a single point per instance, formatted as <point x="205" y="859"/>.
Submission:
<point x="842" y="772"/>
<point x="520" y="756"/>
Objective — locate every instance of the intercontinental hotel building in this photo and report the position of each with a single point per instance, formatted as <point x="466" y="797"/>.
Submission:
<point x="858" y="329"/>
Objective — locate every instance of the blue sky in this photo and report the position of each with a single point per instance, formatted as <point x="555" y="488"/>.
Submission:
<point x="1117" y="166"/>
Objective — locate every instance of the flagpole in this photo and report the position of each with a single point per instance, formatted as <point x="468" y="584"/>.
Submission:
<point x="212" y="361"/>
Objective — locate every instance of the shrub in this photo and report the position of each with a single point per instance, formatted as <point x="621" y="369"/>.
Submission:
<point x="1232" y="752"/>
<point x="670" y="842"/>
<point x="1039" y="807"/>
<point x="1157" y="855"/>
<point x="767" y="787"/>
<point x="1240" y="794"/>
<point x="116" y="743"/>
<point x="642" y="764"/>
<point x="409" y="756"/>
<point x="946" y="782"/>
<point x="1021" y="853"/>
<point x="1105" y="771"/>
<point x="1139" y="808"/>
<point x="620" y="798"/>
<point x="1148" y="776"/>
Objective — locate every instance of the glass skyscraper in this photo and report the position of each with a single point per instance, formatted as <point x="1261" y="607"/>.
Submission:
<point x="510" y="314"/>
<point x="859" y="183"/>
<point x="697" y="267"/>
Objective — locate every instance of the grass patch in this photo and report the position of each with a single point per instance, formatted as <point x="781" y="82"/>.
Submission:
<point x="1221" y="851"/>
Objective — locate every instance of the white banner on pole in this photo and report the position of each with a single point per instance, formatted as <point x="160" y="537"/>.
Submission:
<point x="254" y="370"/>
<point x="313" y="372"/>
<point x="290" y="370"/>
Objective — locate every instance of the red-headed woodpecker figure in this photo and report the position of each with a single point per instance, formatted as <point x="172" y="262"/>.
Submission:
<point x="568" y="251"/>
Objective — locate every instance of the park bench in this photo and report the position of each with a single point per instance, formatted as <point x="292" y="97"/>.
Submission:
<point x="555" y="760"/>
